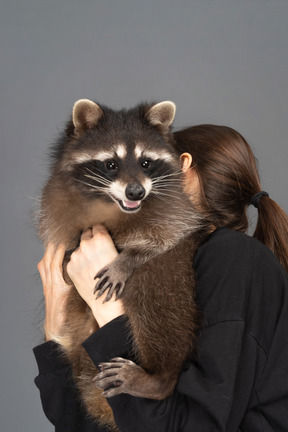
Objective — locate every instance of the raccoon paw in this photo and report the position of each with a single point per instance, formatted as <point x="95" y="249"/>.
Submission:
<point x="120" y="376"/>
<point x="108" y="282"/>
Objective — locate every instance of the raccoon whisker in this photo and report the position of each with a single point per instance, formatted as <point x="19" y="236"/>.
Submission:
<point x="170" y="192"/>
<point x="165" y="197"/>
<point x="167" y="181"/>
<point x="172" y="188"/>
<point x="33" y="198"/>
<point x="101" y="188"/>
<point x="98" y="179"/>
<point x="166" y="176"/>
<point x="160" y="195"/>
<point x="162" y="199"/>
<point x="92" y="172"/>
<point x="99" y="176"/>
<point x="174" y="173"/>
<point x="166" y="194"/>
<point x="167" y="189"/>
<point x="165" y="185"/>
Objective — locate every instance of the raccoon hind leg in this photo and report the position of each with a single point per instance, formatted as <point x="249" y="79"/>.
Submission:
<point x="124" y="376"/>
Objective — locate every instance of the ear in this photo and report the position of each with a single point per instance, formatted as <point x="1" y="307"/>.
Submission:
<point x="85" y="114"/>
<point x="186" y="161"/>
<point x="162" y="114"/>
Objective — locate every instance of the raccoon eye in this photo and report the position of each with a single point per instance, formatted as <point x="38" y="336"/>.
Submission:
<point x="146" y="164"/>
<point x="111" y="165"/>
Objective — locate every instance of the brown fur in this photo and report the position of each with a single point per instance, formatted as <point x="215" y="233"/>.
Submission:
<point x="158" y="244"/>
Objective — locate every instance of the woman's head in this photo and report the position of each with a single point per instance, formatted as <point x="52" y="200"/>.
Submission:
<point x="227" y="172"/>
<point x="227" y="180"/>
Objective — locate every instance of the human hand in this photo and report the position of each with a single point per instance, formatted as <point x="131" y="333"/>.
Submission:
<point x="55" y="290"/>
<point x="96" y="250"/>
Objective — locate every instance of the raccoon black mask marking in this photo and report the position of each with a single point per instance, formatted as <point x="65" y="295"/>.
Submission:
<point x="119" y="168"/>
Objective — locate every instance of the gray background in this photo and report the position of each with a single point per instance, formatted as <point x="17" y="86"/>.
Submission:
<point x="223" y="62"/>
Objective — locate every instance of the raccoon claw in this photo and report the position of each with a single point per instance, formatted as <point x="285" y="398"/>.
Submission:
<point x="118" y="376"/>
<point x="101" y="286"/>
<point x="108" y="283"/>
<point x="118" y="289"/>
<point x="100" y="274"/>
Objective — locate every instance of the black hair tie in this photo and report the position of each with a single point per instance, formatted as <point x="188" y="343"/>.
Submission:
<point x="255" y="199"/>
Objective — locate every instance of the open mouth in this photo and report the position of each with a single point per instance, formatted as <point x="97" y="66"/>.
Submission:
<point x="126" y="205"/>
<point x="129" y="206"/>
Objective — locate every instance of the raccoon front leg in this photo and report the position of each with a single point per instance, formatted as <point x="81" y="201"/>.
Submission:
<point x="123" y="376"/>
<point x="113" y="277"/>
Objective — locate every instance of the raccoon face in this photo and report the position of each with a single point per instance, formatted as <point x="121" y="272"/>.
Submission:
<point x="121" y="156"/>
<point x="125" y="177"/>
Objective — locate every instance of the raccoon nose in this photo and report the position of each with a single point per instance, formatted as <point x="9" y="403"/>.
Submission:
<point x="135" y="192"/>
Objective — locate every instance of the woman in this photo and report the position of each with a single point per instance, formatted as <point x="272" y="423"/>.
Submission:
<point x="239" y="380"/>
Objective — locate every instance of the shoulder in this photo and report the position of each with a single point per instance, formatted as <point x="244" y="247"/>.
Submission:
<point x="225" y="247"/>
<point x="234" y="272"/>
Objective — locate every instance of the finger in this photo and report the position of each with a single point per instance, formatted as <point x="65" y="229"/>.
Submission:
<point x="41" y="271"/>
<point x="48" y="255"/>
<point x="57" y="265"/>
<point x="87" y="234"/>
<point x="99" y="228"/>
<point x="58" y="257"/>
<point x="47" y="259"/>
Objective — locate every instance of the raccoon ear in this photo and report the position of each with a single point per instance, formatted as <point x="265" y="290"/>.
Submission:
<point x="85" y="114"/>
<point x="162" y="114"/>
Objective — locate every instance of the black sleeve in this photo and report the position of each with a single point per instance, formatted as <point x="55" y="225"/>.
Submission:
<point x="57" y="391"/>
<point x="111" y="340"/>
<point x="59" y="395"/>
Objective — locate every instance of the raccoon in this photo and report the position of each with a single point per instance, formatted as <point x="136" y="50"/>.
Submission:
<point x="120" y="169"/>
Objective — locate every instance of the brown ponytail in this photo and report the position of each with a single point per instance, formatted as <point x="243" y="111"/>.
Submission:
<point x="272" y="229"/>
<point x="228" y="175"/>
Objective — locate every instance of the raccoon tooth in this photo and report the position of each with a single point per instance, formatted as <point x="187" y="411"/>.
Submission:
<point x="131" y="204"/>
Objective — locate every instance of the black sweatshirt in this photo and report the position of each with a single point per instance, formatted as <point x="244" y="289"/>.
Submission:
<point x="239" y="381"/>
